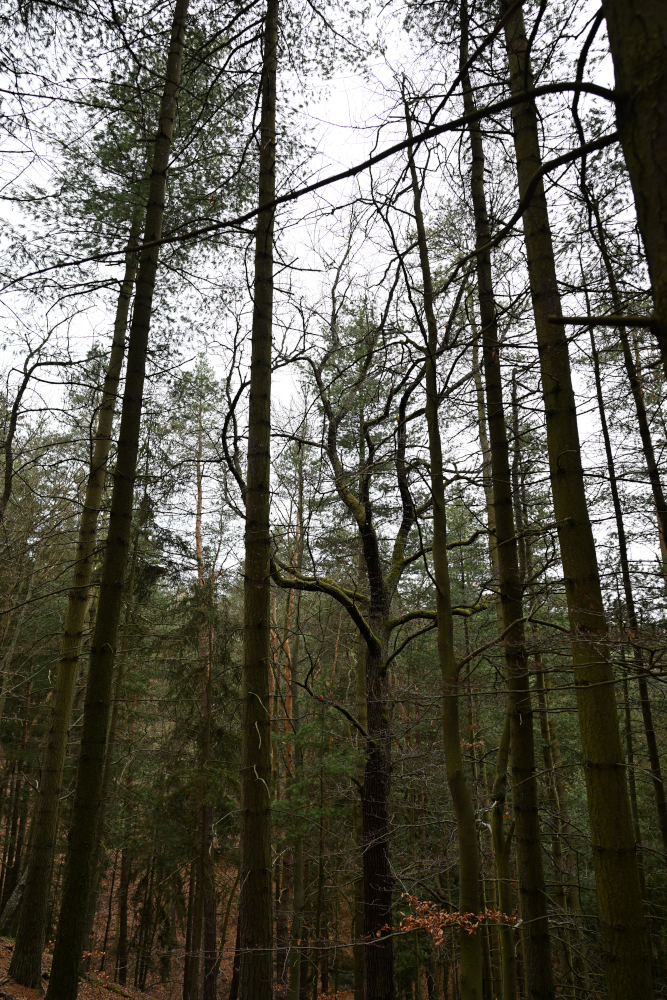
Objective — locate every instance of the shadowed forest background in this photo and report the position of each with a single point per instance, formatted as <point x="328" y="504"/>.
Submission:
<point x="333" y="532"/>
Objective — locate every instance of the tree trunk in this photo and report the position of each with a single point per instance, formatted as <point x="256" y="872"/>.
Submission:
<point x="539" y="977"/>
<point x="9" y="655"/>
<point x="108" y="762"/>
<point x="210" y="930"/>
<point x="296" y="929"/>
<point x="378" y="879"/>
<point x="26" y="964"/>
<point x="77" y="885"/>
<point x="637" y="32"/>
<point x="470" y="949"/>
<point x="563" y="949"/>
<point x="191" y="984"/>
<point x="107" y="927"/>
<point x="123" y="892"/>
<point x="206" y="863"/>
<point x="502" y="848"/>
<point x="144" y="936"/>
<point x="358" y="898"/>
<point x="189" y="930"/>
<point x="632" y="780"/>
<point x="9" y="882"/>
<point x="13" y="903"/>
<point x="600" y="237"/>
<point x="627" y="964"/>
<point x="256" y="903"/>
<point x="633" y="621"/>
<point x="234" y="985"/>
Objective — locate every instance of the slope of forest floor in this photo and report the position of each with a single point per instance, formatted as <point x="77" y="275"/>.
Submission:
<point x="96" y="988"/>
<point x="93" y="989"/>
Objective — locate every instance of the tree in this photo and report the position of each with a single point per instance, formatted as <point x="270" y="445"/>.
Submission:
<point x="78" y="874"/>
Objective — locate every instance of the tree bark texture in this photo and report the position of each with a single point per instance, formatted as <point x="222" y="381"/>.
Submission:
<point x="256" y="901"/>
<point x="637" y="32"/>
<point x="77" y="883"/>
<point x="627" y="965"/>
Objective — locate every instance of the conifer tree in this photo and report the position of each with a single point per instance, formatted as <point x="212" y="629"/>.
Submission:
<point x="78" y="874"/>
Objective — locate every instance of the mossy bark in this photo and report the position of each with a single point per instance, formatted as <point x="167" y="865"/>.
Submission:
<point x="79" y="875"/>
<point x="627" y="964"/>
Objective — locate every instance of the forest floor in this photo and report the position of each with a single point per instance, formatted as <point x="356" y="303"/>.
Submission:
<point x="96" y="988"/>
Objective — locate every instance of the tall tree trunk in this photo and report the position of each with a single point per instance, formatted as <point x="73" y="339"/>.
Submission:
<point x="532" y="893"/>
<point x="470" y="948"/>
<point x="579" y="963"/>
<point x="633" y="621"/>
<point x="144" y="935"/>
<point x="627" y="964"/>
<point x="563" y="948"/>
<point x="296" y="929"/>
<point x="362" y="719"/>
<point x="108" y="762"/>
<point x="630" y="761"/>
<point x="600" y="237"/>
<point x="319" y="903"/>
<point x="26" y="964"/>
<point x="123" y="892"/>
<point x="378" y="879"/>
<point x="234" y="985"/>
<point x="501" y="845"/>
<point x="107" y="926"/>
<point x="11" y="838"/>
<point x="189" y="930"/>
<point x="78" y="869"/>
<point x="284" y="863"/>
<point x="637" y="32"/>
<point x="197" y="928"/>
<point x="210" y="929"/>
<point x="256" y="903"/>
<point x="502" y="849"/>
<point x="207" y="863"/>
<point x="18" y="628"/>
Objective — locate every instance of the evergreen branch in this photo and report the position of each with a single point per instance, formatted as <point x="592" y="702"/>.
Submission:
<point x="455" y="125"/>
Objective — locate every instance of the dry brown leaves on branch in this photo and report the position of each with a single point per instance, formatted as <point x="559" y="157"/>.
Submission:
<point x="432" y="918"/>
